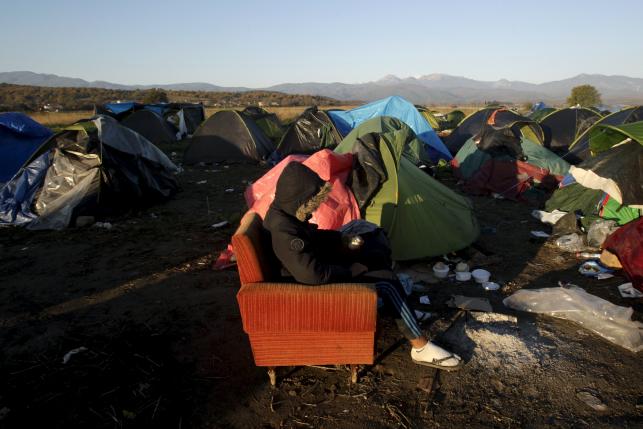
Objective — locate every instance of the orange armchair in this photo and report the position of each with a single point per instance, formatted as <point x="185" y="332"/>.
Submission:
<point x="293" y="324"/>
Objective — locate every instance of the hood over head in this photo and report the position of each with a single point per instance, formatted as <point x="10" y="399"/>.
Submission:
<point x="296" y="186"/>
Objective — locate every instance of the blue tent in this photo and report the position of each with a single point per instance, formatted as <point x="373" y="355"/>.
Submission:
<point x="20" y="136"/>
<point x="396" y="107"/>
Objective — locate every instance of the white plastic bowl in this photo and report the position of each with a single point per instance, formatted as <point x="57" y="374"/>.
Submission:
<point x="481" y="276"/>
<point x="462" y="276"/>
<point x="441" y="273"/>
<point x="490" y="286"/>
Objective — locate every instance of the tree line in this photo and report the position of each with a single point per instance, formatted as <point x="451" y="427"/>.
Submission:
<point x="35" y="98"/>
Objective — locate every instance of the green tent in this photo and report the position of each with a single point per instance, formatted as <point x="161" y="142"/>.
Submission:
<point x="617" y="168"/>
<point x="580" y="149"/>
<point x="430" y="118"/>
<point x="414" y="149"/>
<point x="454" y="118"/>
<point x="602" y="137"/>
<point x="539" y="115"/>
<point x="591" y="203"/>
<point x="422" y="217"/>
<point x="268" y="122"/>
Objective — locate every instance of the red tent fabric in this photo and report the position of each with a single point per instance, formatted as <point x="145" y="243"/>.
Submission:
<point x="509" y="178"/>
<point x="340" y="207"/>
<point x="627" y="244"/>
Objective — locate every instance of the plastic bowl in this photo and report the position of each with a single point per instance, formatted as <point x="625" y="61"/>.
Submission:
<point x="441" y="273"/>
<point x="462" y="276"/>
<point x="481" y="276"/>
<point x="490" y="286"/>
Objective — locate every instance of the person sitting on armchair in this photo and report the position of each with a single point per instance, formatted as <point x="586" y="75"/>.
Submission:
<point x="313" y="256"/>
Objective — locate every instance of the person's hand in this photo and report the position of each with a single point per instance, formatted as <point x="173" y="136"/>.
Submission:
<point x="358" y="269"/>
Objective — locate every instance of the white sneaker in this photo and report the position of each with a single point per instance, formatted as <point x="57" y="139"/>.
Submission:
<point x="436" y="357"/>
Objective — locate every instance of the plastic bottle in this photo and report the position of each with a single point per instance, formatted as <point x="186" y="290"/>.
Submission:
<point x="570" y="243"/>
<point x="587" y="255"/>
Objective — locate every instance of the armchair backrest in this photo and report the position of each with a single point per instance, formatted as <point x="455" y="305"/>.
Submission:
<point x="255" y="258"/>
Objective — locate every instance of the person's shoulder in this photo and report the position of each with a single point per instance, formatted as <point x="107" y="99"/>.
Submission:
<point x="278" y="222"/>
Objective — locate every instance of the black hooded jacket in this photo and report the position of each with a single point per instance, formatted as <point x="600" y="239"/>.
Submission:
<point x="310" y="255"/>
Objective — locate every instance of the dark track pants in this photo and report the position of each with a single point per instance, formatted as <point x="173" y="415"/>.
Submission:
<point x="395" y="298"/>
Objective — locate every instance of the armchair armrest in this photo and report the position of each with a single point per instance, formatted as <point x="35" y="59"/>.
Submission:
<point x="293" y="307"/>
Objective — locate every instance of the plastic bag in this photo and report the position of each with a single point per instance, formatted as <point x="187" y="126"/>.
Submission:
<point x="599" y="231"/>
<point x="610" y="321"/>
<point x="570" y="243"/>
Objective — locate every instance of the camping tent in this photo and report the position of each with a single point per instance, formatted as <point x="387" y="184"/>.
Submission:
<point x="504" y="162"/>
<point x="228" y="136"/>
<point x="414" y="149"/>
<point x="430" y="117"/>
<point x="150" y="125"/>
<point x="311" y="131"/>
<point x="617" y="169"/>
<point x="422" y="217"/>
<point x="94" y="167"/>
<point x="539" y="110"/>
<point x="590" y="203"/>
<point x="20" y="136"/>
<point x="396" y="107"/>
<point x="562" y="127"/>
<point x="580" y="149"/>
<point x="453" y="118"/>
<point x="499" y="118"/>
<point x="268" y="122"/>
<point x="185" y="118"/>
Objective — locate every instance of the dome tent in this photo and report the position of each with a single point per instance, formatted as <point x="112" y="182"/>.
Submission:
<point x="580" y="149"/>
<point x="504" y="162"/>
<point x="20" y="136"/>
<point x="421" y="217"/>
<point x="151" y="126"/>
<point x="414" y="149"/>
<point x="608" y="185"/>
<point x="228" y="136"/>
<point x="617" y="169"/>
<point x="311" y="131"/>
<point x="395" y="107"/>
<point x="184" y="118"/>
<point x="562" y="127"/>
<point x="430" y="117"/>
<point x="499" y="118"/>
<point x="95" y="167"/>
<point x="268" y="122"/>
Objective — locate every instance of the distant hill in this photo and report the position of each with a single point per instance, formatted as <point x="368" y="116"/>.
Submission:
<point x="441" y="88"/>
<point x="427" y="89"/>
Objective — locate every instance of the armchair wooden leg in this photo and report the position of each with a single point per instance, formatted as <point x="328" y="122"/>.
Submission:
<point x="354" y="373"/>
<point x="272" y="374"/>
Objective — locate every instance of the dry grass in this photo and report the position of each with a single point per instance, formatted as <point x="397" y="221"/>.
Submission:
<point x="58" y="119"/>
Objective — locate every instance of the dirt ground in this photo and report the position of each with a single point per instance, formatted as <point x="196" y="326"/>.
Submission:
<point x="159" y="339"/>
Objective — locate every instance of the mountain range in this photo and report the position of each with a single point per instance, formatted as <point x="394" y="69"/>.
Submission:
<point x="427" y="89"/>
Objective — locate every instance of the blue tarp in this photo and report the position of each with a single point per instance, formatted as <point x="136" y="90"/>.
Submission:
<point x="20" y="136"/>
<point x="18" y="194"/>
<point x="539" y="106"/>
<point x="396" y="107"/>
<point x="118" y="108"/>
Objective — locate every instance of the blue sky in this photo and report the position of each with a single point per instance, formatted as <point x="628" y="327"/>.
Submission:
<point x="260" y="43"/>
